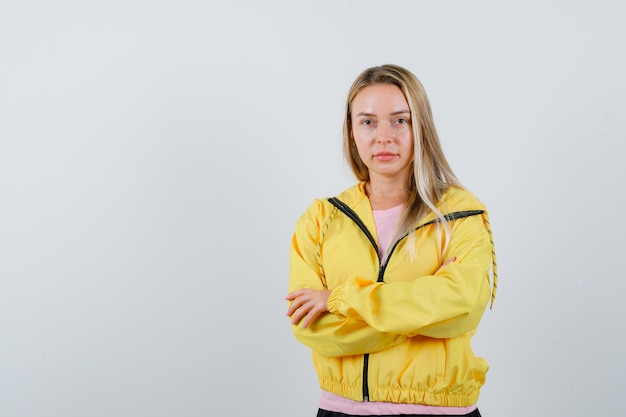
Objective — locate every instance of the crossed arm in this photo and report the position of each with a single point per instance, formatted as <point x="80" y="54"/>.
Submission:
<point x="307" y="304"/>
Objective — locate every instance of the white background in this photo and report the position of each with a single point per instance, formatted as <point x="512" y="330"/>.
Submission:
<point x="155" y="155"/>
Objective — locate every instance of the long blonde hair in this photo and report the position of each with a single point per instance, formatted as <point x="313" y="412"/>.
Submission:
<point x="432" y="175"/>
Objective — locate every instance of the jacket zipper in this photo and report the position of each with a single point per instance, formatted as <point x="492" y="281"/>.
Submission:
<point x="344" y="208"/>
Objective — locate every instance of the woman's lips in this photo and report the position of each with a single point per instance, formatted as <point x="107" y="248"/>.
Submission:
<point x="384" y="156"/>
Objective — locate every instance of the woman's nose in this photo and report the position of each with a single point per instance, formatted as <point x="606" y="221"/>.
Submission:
<point x="384" y="133"/>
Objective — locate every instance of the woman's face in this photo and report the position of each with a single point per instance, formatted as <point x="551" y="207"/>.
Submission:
<point x="381" y="128"/>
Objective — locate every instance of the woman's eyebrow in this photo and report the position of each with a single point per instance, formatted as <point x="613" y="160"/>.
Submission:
<point x="367" y="114"/>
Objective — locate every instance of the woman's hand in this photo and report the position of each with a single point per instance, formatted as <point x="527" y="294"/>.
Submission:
<point x="307" y="304"/>
<point x="446" y="263"/>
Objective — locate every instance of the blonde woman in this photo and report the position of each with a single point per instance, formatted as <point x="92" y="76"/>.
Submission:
<point x="389" y="280"/>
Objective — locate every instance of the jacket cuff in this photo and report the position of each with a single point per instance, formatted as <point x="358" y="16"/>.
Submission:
<point x="333" y="301"/>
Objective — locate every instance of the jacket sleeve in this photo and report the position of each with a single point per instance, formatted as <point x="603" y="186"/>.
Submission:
<point x="330" y="334"/>
<point x="444" y="305"/>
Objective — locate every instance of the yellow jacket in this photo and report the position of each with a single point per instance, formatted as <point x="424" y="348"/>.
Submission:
<point x="405" y="338"/>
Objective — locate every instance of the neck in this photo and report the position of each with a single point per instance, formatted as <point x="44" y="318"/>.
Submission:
<point x="384" y="194"/>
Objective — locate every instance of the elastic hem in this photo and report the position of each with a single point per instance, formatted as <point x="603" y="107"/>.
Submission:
<point x="402" y="395"/>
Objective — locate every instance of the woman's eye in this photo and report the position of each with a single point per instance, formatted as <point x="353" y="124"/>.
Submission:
<point x="367" y="122"/>
<point x="401" y="121"/>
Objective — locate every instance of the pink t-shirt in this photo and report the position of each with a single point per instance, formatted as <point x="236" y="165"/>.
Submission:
<point x="385" y="221"/>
